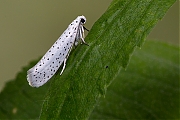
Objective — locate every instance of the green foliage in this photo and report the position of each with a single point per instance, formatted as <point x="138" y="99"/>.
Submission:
<point x="147" y="89"/>
<point x="19" y="101"/>
<point x="90" y="69"/>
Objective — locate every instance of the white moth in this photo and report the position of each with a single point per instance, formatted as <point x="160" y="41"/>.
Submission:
<point x="57" y="54"/>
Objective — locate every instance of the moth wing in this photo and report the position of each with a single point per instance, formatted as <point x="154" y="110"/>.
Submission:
<point x="54" y="57"/>
<point x="50" y="62"/>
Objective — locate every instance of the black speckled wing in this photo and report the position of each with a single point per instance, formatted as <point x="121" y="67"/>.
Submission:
<point x="55" y="56"/>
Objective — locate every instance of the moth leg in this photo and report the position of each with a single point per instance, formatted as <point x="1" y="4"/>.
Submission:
<point x="85" y="28"/>
<point x="84" y="41"/>
<point x="64" y="66"/>
<point x="81" y="34"/>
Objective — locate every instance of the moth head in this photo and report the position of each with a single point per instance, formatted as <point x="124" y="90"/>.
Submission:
<point x="83" y="19"/>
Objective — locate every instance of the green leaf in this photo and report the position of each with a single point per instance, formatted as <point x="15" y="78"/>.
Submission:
<point x="90" y="69"/>
<point x="112" y="39"/>
<point x="19" y="101"/>
<point x="147" y="89"/>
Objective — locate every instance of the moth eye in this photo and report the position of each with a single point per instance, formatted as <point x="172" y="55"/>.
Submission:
<point x="83" y="20"/>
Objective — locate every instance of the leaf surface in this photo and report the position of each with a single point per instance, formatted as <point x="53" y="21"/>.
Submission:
<point x="147" y="89"/>
<point x="112" y="40"/>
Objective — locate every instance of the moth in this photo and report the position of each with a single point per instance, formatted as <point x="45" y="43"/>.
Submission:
<point x="57" y="54"/>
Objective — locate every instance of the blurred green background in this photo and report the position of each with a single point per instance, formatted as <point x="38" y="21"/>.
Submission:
<point x="29" y="28"/>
